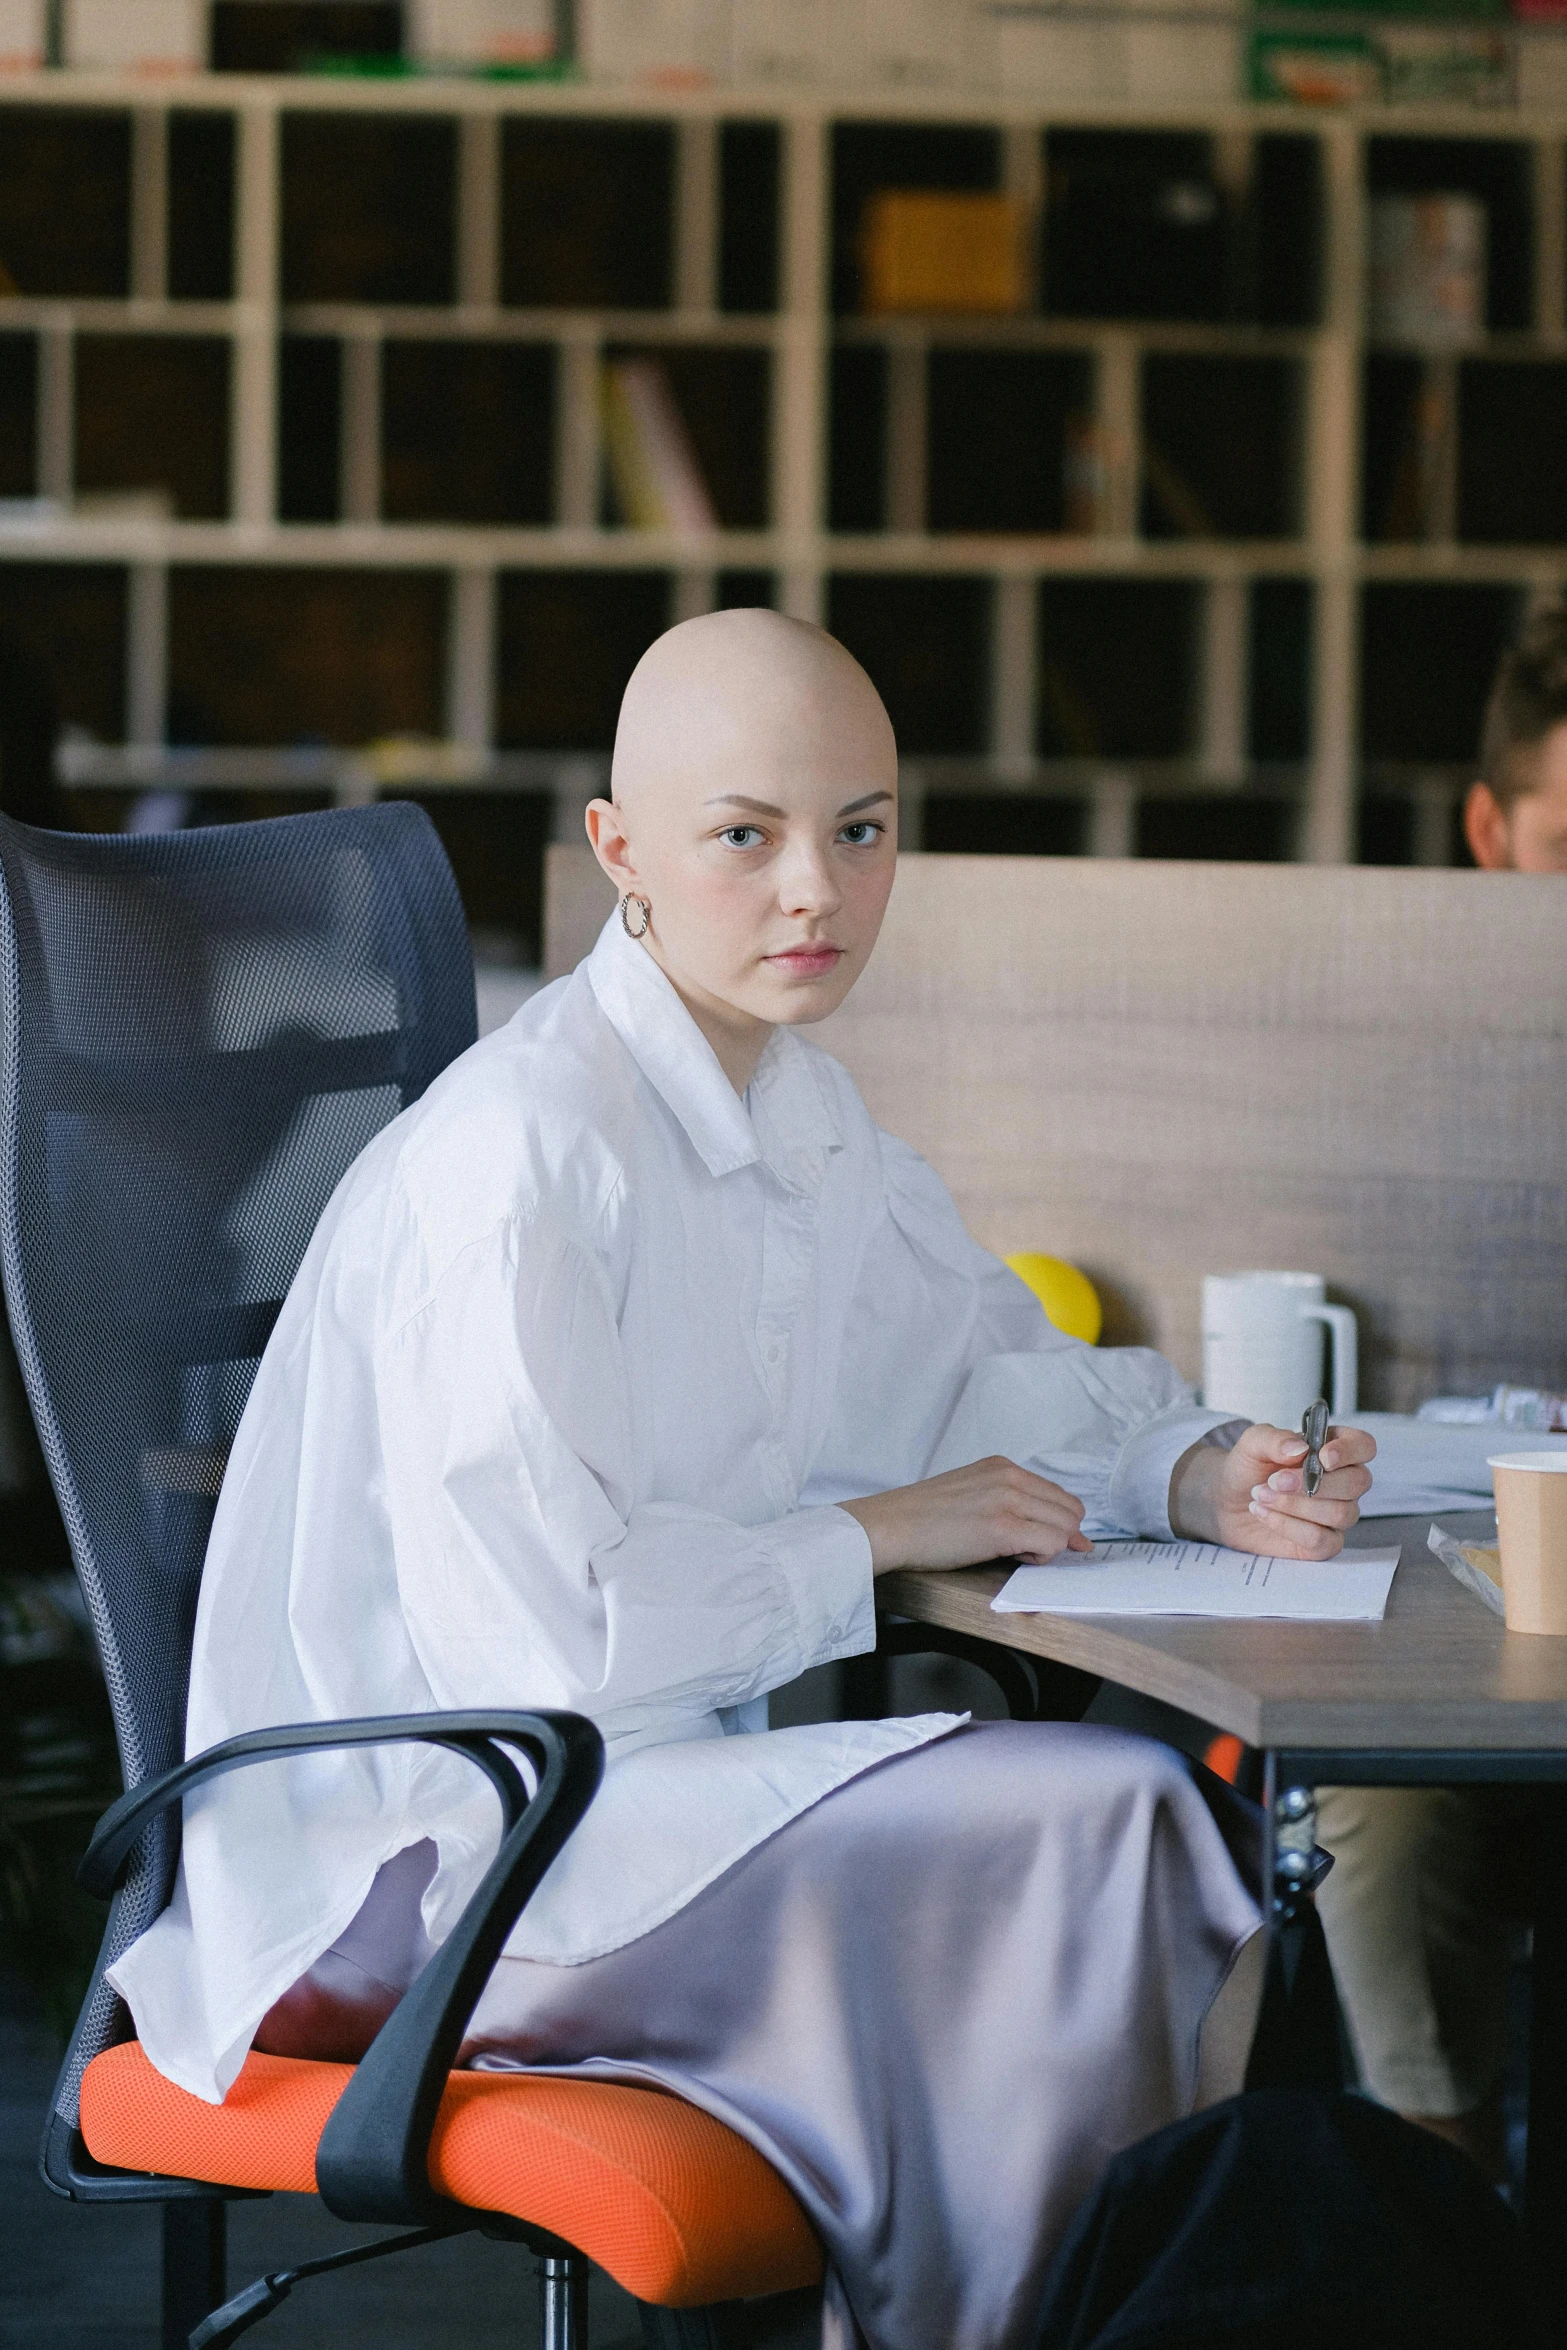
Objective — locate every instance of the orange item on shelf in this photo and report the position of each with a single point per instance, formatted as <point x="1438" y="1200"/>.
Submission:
<point x="927" y="249"/>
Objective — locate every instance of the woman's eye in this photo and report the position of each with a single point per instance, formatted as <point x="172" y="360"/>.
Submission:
<point x="859" y="834"/>
<point x="741" y="836"/>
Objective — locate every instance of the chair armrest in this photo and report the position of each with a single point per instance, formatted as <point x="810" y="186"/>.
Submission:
<point x="1033" y="1688"/>
<point x="372" y="2161"/>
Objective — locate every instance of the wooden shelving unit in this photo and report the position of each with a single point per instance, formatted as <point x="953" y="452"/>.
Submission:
<point x="461" y="620"/>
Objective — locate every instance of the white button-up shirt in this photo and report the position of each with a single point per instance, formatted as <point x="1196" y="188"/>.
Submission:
<point x="582" y="1354"/>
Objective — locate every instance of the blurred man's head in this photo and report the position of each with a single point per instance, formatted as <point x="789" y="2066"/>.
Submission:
<point x="1515" y="817"/>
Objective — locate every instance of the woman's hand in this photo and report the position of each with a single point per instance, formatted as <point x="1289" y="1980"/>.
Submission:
<point x="1254" y="1496"/>
<point x="992" y="1509"/>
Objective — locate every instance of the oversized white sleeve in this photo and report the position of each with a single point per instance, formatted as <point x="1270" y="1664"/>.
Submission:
<point x="950" y="1358"/>
<point x="530" y="1572"/>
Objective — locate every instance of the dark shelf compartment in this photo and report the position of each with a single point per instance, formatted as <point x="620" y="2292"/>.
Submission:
<point x="1117" y="663"/>
<point x="566" y="643"/>
<point x="1392" y="495"/>
<point x="1278" y="686"/>
<point x="587" y="218"/>
<point x="304" y="656"/>
<point x="1004" y="824"/>
<point x="18" y="416"/>
<point x="1499" y="172"/>
<point x="749" y="168"/>
<point x="152" y="412"/>
<point x="1512" y="453"/>
<point x="1230" y="827"/>
<point x="1136" y="227"/>
<point x="998" y="423"/>
<point x="310" y="428"/>
<point x="368" y="208"/>
<point x="467" y="432"/>
<point x="65" y="200"/>
<point x="201" y="207"/>
<point x="496" y="842"/>
<point x="68" y="621"/>
<point x="286" y="36"/>
<point x="925" y="644"/>
<point x="1428" y="655"/>
<point x="725" y="401"/>
<point x="857" y="438"/>
<point x="1278" y="269"/>
<point x="1221" y="447"/>
<point x="745" y="589"/>
<point x="867" y="156"/>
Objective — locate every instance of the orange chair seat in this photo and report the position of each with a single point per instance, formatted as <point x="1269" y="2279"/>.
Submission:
<point x="674" y="2206"/>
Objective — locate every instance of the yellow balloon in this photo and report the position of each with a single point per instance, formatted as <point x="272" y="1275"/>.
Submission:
<point x="1069" y="1298"/>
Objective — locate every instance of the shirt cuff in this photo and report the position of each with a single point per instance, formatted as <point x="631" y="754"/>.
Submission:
<point x="1140" y="1480"/>
<point x="824" y="1558"/>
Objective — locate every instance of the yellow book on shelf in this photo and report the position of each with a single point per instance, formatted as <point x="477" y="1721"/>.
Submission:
<point x="928" y="249"/>
<point x="653" y="466"/>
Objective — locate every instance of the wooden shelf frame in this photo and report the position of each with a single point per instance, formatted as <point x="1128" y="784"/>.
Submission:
<point x="796" y="547"/>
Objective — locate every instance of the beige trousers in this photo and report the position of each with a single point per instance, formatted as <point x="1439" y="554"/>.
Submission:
<point x="1418" y="1943"/>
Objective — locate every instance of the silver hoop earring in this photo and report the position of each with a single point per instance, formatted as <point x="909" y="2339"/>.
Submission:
<point x="628" y="901"/>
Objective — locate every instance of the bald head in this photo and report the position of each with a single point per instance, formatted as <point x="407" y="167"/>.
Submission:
<point x="734" y="698"/>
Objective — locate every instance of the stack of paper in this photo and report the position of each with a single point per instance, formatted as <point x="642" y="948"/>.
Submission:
<point x="1202" y="1579"/>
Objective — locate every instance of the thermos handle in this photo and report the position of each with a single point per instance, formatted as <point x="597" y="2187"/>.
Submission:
<point x="1346" y="1355"/>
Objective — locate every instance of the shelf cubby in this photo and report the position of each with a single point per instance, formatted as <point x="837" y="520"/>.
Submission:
<point x="724" y="396"/>
<point x="566" y="643"/>
<point x="18" y="415"/>
<point x="152" y="413"/>
<point x="997" y="432"/>
<point x="587" y="215"/>
<point x="1221" y="443"/>
<point x="309" y="453"/>
<point x="1512" y="452"/>
<point x="65" y="201"/>
<point x="200" y="232"/>
<point x="1005" y="824"/>
<point x="467" y="432"/>
<point x="1428" y="654"/>
<point x="68" y="621"/>
<point x="1117" y="664"/>
<point x="369" y="209"/>
<point x="925" y="641"/>
<point x="1232" y="827"/>
<point x="304" y="656"/>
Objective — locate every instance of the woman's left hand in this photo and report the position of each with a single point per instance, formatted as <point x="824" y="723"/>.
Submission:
<point x="1254" y="1496"/>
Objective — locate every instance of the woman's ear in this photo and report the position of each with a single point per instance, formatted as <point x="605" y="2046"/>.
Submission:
<point x="607" y="833"/>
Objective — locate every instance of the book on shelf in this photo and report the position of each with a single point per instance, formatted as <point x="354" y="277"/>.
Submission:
<point x="655" y="475"/>
<point x="925" y="249"/>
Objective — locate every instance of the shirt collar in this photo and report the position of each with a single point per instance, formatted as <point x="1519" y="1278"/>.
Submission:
<point x="793" y="1120"/>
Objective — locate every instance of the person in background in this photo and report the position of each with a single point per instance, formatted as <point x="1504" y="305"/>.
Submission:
<point x="1515" y="815"/>
<point x="1416" y="1910"/>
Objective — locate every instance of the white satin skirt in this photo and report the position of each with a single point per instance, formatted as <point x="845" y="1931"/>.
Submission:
<point x="938" y="2002"/>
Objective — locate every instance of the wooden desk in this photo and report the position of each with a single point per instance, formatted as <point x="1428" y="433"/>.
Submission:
<point x="1438" y="1691"/>
<point x="1437" y="1694"/>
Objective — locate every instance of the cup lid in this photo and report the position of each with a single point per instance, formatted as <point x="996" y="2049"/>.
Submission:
<point x="1550" y="1462"/>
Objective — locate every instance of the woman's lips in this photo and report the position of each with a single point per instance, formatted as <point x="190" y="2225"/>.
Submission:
<point x="806" y="962"/>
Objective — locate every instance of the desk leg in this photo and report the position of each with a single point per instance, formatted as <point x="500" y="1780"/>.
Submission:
<point x="1545" y="2185"/>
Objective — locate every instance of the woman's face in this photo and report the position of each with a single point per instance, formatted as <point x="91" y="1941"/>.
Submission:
<point x="763" y="835"/>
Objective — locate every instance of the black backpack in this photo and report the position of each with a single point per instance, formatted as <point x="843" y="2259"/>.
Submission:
<point x="1289" y="2219"/>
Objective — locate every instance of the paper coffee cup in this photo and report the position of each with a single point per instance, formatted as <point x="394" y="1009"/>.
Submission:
<point x="1531" y="1519"/>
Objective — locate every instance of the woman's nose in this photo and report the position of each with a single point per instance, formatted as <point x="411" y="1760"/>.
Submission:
<point x="806" y="884"/>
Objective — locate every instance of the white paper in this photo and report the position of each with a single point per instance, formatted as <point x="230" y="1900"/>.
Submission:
<point x="1202" y="1579"/>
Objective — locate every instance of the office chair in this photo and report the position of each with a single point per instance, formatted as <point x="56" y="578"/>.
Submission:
<point x="200" y="1032"/>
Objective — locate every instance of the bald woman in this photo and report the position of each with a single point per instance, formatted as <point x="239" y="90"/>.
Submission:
<point x="618" y="1369"/>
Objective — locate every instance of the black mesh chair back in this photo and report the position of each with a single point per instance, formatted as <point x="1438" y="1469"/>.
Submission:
<point x="200" y="1032"/>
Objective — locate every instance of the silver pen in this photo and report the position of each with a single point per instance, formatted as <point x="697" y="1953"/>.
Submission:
<point x="1314" y="1428"/>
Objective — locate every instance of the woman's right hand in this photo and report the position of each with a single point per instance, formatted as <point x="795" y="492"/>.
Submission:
<point x="992" y="1509"/>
